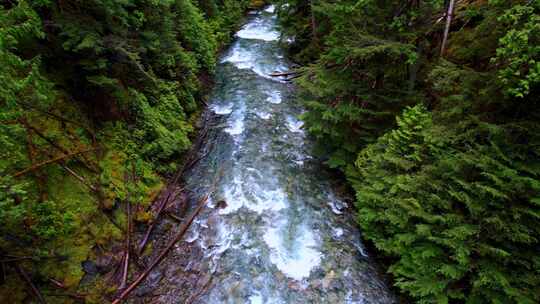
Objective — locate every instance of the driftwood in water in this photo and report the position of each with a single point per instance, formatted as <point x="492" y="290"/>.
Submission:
<point x="288" y="76"/>
<point x="283" y="74"/>
<point x="183" y="229"/>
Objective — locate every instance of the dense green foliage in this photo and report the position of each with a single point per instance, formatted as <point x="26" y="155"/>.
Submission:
<point x="97" y="103"/>
<point x="449" y="191"/>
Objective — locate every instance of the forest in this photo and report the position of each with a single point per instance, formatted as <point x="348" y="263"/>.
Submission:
<point x="431" y="110"/>
<point x="98" y="105"/>
<point x="428" y="111"/>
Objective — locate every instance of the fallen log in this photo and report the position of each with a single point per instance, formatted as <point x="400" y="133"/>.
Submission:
<point x="129" y="228"/>
<point x="80" y="178"/>
<point x="31" y="285"/>
<point x="85" y="162"/>
<point x="58" y="118"/>
<point x="183" y="229"/>
<point x="125" y="269"/>
<point x="162" y="205"/>
<point x="75" y="296"/>
<point x="51" y="161"/>
<point x="282" y="74"/>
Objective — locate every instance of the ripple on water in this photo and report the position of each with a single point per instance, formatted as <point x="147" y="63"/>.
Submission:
<point x="274" y="97"/>
<point x="258" y="30"/>
<point x="263" y="115"/>
<point x="294" y="125"/>
<point x="222" y="109"/>
<point x="270" y="9"/>
<point x="294" y="255"/>
<point x="249" y="57"/>
<point x="260" y="199"/>
<point x="236" y="122"/>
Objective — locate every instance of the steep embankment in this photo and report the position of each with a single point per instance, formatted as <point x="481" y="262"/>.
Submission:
<point x="439" y="142"/>
<point x="98" y="103"/>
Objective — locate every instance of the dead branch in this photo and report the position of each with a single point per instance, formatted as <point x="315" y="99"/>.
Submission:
<point x="51" y="161"/>
<point x="40" y="179"/>
<point x="80" y="178"/>
<point x="183" y="229"/>
<point x="65" y="151"/>
<point x="76" y="296"/>
<point x="162" y="205"/>
<point x="9" y="260"/>
<point x="57" y="146"/>
<point x="35" y="291"/>
<point x="57" y="284"/>
<point x="128" y="232"/>
<point x="59" y="118"/>
<point x="174" y="217"/>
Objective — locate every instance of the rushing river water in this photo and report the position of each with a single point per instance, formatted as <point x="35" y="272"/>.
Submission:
<point x="273" y="231"/>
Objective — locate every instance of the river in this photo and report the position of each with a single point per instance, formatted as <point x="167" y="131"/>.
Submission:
<point x="273" y="231"/>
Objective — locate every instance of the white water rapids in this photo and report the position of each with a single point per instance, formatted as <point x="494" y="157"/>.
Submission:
<point x="274" y="231"/>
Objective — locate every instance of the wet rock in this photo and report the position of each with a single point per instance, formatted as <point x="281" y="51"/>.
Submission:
<point x="333" y="298"/>
<point x="316" y="284"/>
<point x="104" y="263"/>
<point x="294" y="285"/>
<point x="204" y="279"/>
<point x="143" y="290"/>
<point x="221" y="204"/>
<point x="90" y="267"/>
<point x="328" y="279"/>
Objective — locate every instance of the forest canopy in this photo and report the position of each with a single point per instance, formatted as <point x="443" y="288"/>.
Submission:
<point x="431" y="110"/>
<point x="97" y="106"/>
<point x="428" y="109"/>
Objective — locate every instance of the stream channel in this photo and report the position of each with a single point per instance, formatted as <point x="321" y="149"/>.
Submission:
<point x="273" y="230"/>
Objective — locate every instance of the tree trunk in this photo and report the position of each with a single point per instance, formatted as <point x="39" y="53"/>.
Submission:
<point x="449" y="14"/>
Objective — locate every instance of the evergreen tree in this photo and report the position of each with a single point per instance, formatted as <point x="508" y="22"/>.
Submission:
<point x="97" y="106"/>
<point x="448" y="191"/>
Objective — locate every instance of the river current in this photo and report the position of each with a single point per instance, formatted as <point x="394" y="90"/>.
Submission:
<point x="273" y="230"/>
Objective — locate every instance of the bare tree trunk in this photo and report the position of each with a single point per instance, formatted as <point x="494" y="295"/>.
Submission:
<point x="449" y="14"/>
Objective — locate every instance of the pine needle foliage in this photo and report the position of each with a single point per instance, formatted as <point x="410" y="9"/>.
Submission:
<point x="97" y="106"/>
<point x="442" y="152"/>
<point x="458" y="216"/>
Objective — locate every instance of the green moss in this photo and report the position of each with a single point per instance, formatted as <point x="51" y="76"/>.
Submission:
<point x="122" y="78"/>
